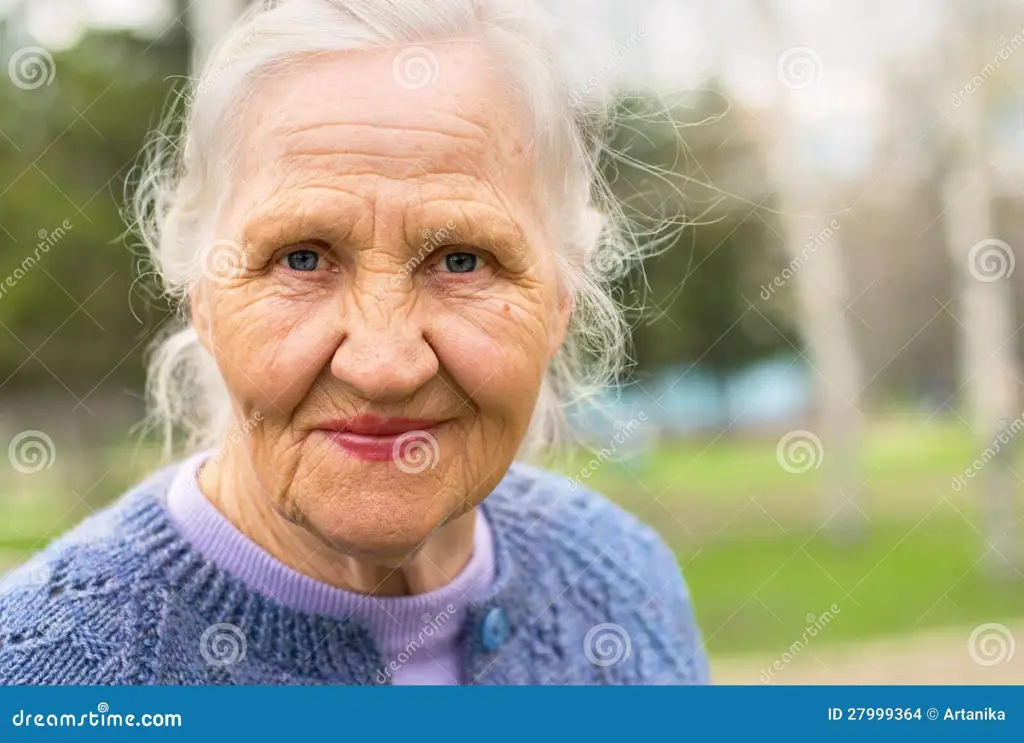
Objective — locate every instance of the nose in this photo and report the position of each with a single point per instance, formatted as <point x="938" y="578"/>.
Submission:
<point x="384" y="355"/>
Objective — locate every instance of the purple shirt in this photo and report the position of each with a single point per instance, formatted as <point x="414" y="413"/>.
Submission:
<point x="418" y="636"/>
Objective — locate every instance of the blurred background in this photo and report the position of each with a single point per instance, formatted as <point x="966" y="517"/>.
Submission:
<point x="823" y="415"/>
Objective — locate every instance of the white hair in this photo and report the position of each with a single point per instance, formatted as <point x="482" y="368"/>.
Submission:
<point x="189" y="158"/>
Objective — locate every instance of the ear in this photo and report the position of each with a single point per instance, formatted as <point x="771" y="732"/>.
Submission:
<point x="561" y="321"/>
<point x="199" y="309"/>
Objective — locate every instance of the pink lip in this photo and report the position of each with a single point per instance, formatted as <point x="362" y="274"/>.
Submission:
<point x="373" y="438"/>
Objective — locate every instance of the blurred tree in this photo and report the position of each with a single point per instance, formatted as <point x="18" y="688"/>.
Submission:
<point x="983" y="265"/>
<point x="690" y="181"/>
<point x="821" y="288"/>
<point x="74" y="318"/>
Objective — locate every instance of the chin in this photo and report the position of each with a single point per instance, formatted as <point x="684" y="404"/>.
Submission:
<point x="386" y="527"/>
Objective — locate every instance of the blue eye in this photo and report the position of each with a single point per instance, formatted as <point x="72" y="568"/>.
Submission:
<point x="461" y="262"/>
<point x="303" y="260"/>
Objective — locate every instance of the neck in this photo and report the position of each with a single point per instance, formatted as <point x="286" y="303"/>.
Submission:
<point x="230" y="485"/>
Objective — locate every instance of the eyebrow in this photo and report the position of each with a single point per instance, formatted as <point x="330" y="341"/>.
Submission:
<point x="475" y="223"/>
<point x="281" y="225"/>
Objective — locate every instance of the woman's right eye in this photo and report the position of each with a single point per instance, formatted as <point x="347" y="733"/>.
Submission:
<point x="305" y="260"/>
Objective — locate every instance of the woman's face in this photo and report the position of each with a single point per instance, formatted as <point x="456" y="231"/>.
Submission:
<point x="381" y="298"/>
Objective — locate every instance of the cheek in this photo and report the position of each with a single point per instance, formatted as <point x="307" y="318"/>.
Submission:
<point x="270" y="349"/>
<point x="497" y="356"/>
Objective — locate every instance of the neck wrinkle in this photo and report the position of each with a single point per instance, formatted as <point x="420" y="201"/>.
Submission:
<point x="228" y="486"/>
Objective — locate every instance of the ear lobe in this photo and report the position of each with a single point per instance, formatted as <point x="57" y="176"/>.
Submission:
<point x="199" y="310"/>
<point x="562" y="315"/>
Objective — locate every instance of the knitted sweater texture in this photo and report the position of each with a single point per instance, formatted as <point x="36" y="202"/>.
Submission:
<point x="583" y="594"/>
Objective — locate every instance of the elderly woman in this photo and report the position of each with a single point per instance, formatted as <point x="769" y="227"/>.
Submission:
<point x="383" y="221"/>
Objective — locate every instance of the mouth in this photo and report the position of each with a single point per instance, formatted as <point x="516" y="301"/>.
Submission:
<point x="377" y="439"/>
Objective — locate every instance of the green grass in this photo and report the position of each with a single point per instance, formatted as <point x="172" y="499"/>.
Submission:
<point x="894" y="449"/>
<point x="757" y="593"/>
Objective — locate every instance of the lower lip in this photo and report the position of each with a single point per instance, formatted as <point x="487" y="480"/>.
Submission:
<point x="372" y="448"/>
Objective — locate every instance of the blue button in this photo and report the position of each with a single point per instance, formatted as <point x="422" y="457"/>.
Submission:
<point x="495" y="629"/>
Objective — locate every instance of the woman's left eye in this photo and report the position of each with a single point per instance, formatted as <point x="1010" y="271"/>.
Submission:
<point x="303" y="260"/>
<point x="461" y="262"/>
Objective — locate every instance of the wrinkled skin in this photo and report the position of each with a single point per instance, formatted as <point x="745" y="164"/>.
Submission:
<point x="339" y="159"/>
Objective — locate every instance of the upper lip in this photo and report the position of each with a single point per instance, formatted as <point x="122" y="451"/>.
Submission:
<point x="375" y="425"/>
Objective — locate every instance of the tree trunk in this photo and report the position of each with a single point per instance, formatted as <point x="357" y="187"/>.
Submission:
<point x="814" y="246"/>
<point x="982" y="264"/>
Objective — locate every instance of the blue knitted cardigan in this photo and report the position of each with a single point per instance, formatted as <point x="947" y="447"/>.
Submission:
<point x="588" y="596"/>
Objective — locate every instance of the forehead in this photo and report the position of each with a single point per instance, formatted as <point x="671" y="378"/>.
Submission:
<point x="424" y="114"/>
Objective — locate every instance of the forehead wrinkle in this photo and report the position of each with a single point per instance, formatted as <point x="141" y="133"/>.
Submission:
<point x="473" y="131"/>
<point x="283" y="219"/>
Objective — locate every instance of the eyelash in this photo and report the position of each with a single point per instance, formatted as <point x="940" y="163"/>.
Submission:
<point x="435" y="260"/>
<point x="306" y="247"/>
<point x="443" y="253"/>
